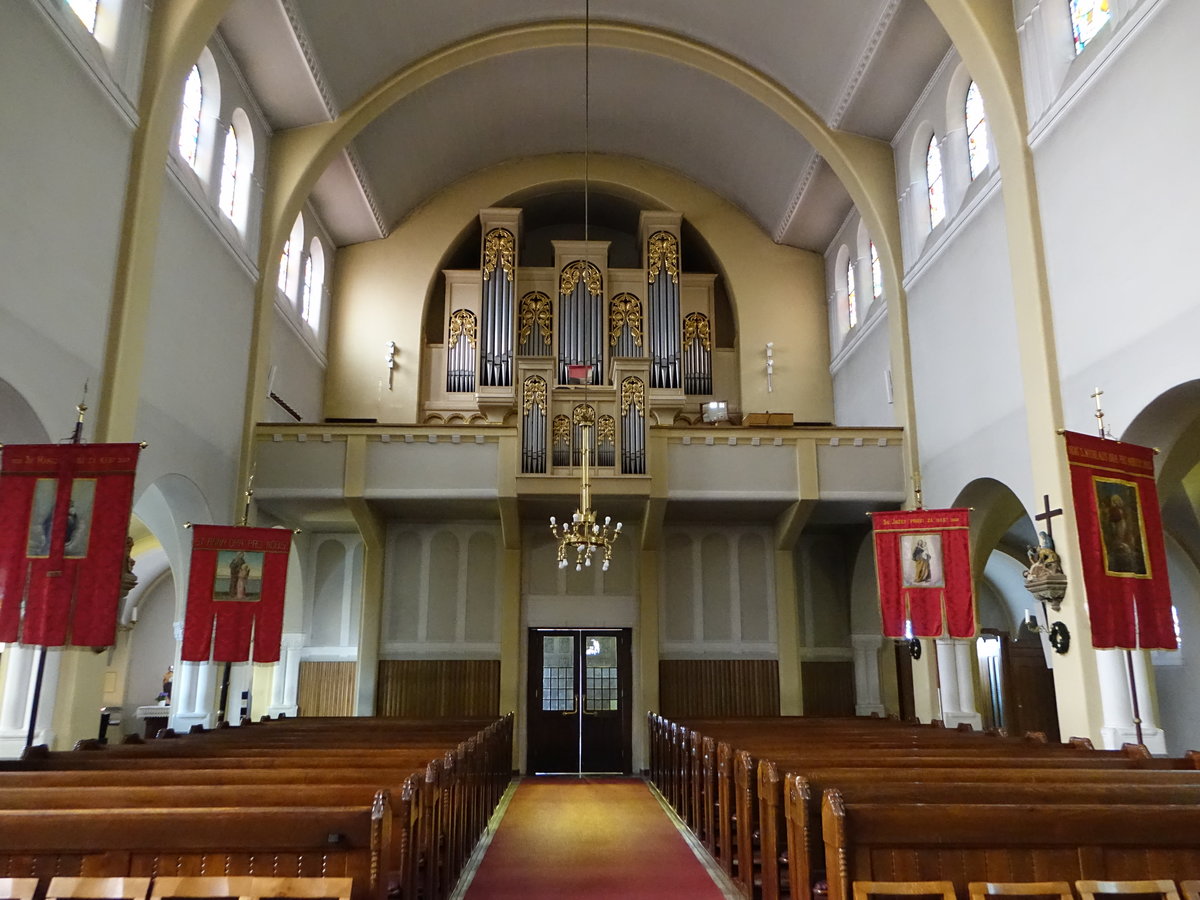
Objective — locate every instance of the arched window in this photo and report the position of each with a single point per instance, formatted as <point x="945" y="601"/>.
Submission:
<point x="314" y="284"/>
<point x="977" y="132"/>
<point x="229" y="174"/>
<point x="851" y="295"/>
<point x="86" y="10"/>
<point x="237" y="166"/>
<point x="189" y="125"/>
<point x="933" y="177"/>
<point x="289" y="260"/>
<point x="876" y="274"/>
<point x="1088" y="17"/>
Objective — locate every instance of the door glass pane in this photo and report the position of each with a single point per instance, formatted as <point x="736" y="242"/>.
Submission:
<point x="601" y="654"/>
<point x="558" y="673"/>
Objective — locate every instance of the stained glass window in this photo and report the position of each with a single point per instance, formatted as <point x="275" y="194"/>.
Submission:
<point x="1087" y="17"/>
<point x="977" y="132"/>
<point x="86" y="10"/>
<point x="314" y="284"/>
<point x="306" y="289"/>
<point x="851" y="296"/>
<point x="189" y="125"/>
<point x="933" y="177"/>
<point x="285" y="260"/>
<point x="229" y="166"/>
<point x="876" y="274"/>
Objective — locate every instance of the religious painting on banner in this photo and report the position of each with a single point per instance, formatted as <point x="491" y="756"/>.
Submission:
<point x="64" y="518"/>
<point x="235" y="593"/>
<point x="923" y="567"/>
<point x="1121" y="543"/>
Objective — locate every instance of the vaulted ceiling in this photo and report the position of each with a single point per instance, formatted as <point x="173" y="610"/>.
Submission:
<point x="860" y="65"/>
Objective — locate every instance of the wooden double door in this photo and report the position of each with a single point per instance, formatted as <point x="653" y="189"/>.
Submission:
<point x="579" y="700"/>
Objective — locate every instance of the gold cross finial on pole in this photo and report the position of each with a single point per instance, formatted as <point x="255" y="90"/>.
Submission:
<point x="917" y="490"/>
<point x="1099" y="413"/>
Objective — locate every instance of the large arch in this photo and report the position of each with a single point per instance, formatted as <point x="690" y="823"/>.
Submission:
<point x="754" y="267"/>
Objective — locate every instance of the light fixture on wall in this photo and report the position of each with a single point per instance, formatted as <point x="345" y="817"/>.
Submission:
<point x="585" y="536"/>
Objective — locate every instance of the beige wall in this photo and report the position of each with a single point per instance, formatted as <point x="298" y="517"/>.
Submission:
<point x="380" y="289"/>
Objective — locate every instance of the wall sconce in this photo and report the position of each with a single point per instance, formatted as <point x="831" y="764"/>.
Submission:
<point x="770" y="364"/>
<point x="391" y="362"/>
<point x="1060" y="635"/>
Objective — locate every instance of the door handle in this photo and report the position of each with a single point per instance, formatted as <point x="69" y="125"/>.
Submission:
<point x="573" y="711"/>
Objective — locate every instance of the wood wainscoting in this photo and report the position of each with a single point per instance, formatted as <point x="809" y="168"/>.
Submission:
<point x="433" y="688"/>
<point x="828" y="687"/>
<point x="326" y="688"/>
<point x="718" y="687"/>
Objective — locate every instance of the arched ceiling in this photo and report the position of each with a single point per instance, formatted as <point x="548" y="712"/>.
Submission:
<point x="860" y="65"/>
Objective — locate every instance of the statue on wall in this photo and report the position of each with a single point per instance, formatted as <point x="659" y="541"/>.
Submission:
<point x="1044" y="578"/>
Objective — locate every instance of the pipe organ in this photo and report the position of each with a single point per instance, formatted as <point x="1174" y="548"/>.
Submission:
<point x="577" y="344"/>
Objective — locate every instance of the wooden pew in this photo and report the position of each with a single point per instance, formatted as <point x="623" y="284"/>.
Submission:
<point x="805" y="841"/>
<point x="348" y="841"/>
<point x="427" y="835"/>
<point x="965" y="843"/>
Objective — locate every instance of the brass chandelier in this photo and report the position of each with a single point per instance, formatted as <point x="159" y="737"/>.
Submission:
<point x="584" y="536"/>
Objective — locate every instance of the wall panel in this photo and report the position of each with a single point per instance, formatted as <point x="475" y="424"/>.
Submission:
<point x="326" y="688"/>
<point x="719" y="687"/>
<point x="828" y="687"/>
<point x="431" y="688"/>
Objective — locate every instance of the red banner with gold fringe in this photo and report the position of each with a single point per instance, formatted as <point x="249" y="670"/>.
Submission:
<point x="923" y="568"/>
<point x="64" y="518"/>
<point x="1121" y="543"/>
<point x="235" y="593"/>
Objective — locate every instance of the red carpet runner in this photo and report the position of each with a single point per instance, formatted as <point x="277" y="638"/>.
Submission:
<point x="588" y="839"/>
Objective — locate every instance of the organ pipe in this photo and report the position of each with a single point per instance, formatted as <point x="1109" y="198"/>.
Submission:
<point x="499" y="260"/>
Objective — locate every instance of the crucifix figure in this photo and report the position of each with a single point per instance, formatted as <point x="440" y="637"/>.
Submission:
<point x="1046" y="515"/>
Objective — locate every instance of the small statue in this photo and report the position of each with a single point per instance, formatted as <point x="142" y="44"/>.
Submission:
<point x="128" y="579"/>
<point x="1043" y="561"/>
<point x="1044" y="578"/>
<point x="164" y="697"/>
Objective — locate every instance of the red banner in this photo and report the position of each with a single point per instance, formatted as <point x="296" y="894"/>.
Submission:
<point x="235" y="591"/>
<point x="1121" y="543"/>
<point x="923" y="566"/>
<point x="64" y="517"/>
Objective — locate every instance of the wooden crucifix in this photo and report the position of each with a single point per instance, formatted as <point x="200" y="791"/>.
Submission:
<point x="1046" y="515"/>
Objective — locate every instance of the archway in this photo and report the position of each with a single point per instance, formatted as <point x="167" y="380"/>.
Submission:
<point x="1171" y="423"/>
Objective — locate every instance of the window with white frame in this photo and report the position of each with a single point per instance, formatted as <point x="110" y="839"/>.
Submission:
<point x="229" y="173"/>
<point x="876" y="274"/>
<point x="933" y="178"/>
<point x="314" y="284"/>
<point x="87" y="11"/>
<point x="978" y="153"/>
<point x="189" y="124"/>
<point x="851" y="295"/>
<point x="290" y="259"/>
<point x="237" y="168"/>
<point x="1087" y="18"/>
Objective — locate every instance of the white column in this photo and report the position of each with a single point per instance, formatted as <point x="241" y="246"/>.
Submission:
<point x="14" y="703"/>
<point x="16" y="699"/>
<point x="286" y="677"/>
<point x="239" y="680"/>
<point x="868" y="697"/>
<point x="957" y="683"/>
<point x="1116" y="700"/>
<point x="965" y="664"/>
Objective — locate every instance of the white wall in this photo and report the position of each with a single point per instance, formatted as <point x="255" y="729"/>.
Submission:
<point x="1115" y="177"/>
<point x="66" y="153"/>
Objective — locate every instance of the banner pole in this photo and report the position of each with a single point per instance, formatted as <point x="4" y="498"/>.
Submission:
<point x="224" y="693"/>
<point x="76" y="438"/>
<point x="37" y="696"/>
<point x="1137" y="714"/>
